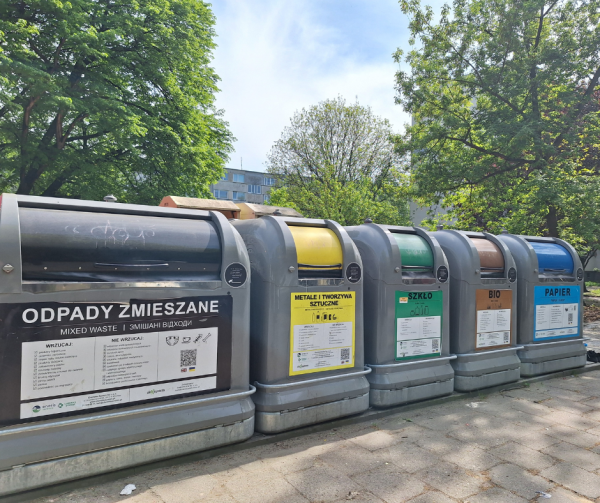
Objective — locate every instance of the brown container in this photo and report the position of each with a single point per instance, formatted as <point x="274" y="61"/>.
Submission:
<point x="490" y="256"/>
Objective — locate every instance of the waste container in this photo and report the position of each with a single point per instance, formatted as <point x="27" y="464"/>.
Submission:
<point x="550" y="309"/>
<point x="406" y="306"/>
<point x="124" y="337"/>
<point x="306" y="329"/>
<point x="483" y="298"/>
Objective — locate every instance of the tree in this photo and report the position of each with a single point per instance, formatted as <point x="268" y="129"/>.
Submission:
<point x="505" y="100"/>
<point x="337" y="161"/>
<point x="101" y="97"/>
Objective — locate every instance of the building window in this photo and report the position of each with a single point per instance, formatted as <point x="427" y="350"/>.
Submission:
<point x="254" y="189"/>
<point x="269" y="181"/>
<point x="238" y="178"/>
<point x="220" y="194"/>
<point x="239" y="196"/>
<point x="224" y="177"/>
<point x="267" y="199"/>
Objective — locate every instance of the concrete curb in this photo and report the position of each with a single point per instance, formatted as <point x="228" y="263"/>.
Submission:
<point x="259" y="439"/>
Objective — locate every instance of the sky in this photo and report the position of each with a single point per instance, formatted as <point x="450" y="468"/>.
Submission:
<point x="275" y="57"/>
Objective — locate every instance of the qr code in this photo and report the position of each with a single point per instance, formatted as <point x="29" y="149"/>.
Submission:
<point x="345" y="354"/>
<point x="506" y="337"/>
<point x="435" y="346"/>
<point x="188" y="357"/>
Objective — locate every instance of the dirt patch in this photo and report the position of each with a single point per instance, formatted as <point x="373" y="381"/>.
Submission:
<point x="591" y="314"/>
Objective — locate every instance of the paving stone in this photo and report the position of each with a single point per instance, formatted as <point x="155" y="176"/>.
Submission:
<point x="374" y="440"/>
<point x="516" y="480"/>
<point x="432" y="497"/>
<point x="410" y="457"/>
<point x="350" y="458"/>
<point x="522" y="455"/>
<point x="574" y="478"/>
<point x="573" y="436"/>
<point x="594" y="414"/>
<point x="495" y="495"/>
<point x="451" y="480"/>
<point x="556" y="392"/>
<point x="577" y="456"/>
<point x="562" y="495"/>
<point x="537" y="440"/>
<point x="528" y="394"/>
<point x="322" y="483"/>
<point x="390" y="484"/>
<point x="576" y="421"/>
<point x="472" y="458"/>
<point x="269" y="487"/>
<point x="447" y="422"/>
<point x="439" y="443"/>
<point x="360" y="497"/>
<point x="191" y="490"/>
<point x="490" y="434"/>
<point x="530" y="407"/>
<point x="568" y="405"/>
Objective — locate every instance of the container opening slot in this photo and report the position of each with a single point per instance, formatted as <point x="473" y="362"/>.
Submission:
<point x="83" y="246"/>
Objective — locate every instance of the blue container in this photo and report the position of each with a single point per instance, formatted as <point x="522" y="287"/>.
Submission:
<point x="553" y="257"/>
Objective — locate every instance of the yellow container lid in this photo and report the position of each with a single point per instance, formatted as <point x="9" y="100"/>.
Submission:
<point x="317" y="248"/>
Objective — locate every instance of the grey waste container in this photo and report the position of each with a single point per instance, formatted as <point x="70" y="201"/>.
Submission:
<point x="307" y="358"/>
<point x="406" y="309"/>
<point x="550" y="309"/>
<point x="483" y="301"/>
<point x="124" y="337"/>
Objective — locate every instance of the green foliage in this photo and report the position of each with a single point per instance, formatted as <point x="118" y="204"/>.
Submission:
<point x="337" y="161"/>
<point x="505" y="99"/>
<point x="101" y="97"/>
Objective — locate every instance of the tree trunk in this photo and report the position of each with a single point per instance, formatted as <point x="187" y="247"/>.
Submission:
<point x="552" y="221"/>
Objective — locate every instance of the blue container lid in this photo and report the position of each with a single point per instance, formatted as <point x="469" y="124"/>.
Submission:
<point x="553" y="257"/>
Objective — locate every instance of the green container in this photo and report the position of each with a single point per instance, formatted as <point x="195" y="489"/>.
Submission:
<point x="414" y="250"/>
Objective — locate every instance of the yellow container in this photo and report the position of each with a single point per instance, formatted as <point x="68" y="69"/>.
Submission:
<point x="317" y="248"/>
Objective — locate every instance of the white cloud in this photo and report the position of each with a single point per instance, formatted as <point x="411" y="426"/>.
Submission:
<point x="276" y="57"/>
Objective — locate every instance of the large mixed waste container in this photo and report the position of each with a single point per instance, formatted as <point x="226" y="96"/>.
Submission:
<point x="124" y="337"/>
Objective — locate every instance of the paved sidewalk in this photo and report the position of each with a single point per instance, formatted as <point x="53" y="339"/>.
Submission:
<point x="501" y="448"/>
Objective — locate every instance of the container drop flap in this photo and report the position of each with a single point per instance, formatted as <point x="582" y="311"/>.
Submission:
<point x="491" y="259"/>
<point x="552" y="258"/>
<point x="415" y="252"/>
<point x="58" y="245"/>
<point x="319" y="252"/>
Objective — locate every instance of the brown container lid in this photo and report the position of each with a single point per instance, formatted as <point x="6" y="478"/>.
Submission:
<point x="490" y="256"/>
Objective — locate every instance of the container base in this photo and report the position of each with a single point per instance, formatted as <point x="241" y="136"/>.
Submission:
<point x="382" y="398"/>
<point x="547" y="367"/>
<point x="276" y="422"/>
<point x="472" y="383"/>
<point x="31" y="476"/>
<point x="547" y="357"/>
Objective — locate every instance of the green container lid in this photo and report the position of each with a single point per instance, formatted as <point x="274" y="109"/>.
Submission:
<point x="414" y="250"/>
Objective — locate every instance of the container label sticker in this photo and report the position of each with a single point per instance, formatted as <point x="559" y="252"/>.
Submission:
<point x="322" y="331"/>
<point x="418" y="324"/>
<point x="494" y="318"/>
<point x="69" y="357"/>
<point x="556" y="312"/>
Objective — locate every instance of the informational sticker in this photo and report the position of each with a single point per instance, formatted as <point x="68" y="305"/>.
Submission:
<point x="235" y="275"/>
<point x="493" y="318"/>
<point x="62" y="358"/>
<point x="418" y="324"/>
<point x="322" y="331"/>
<point x="556" y="312"/>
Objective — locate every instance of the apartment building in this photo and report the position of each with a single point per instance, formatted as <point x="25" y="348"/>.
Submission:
<point x="246" y="186"/>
